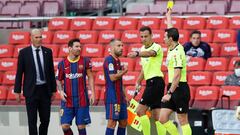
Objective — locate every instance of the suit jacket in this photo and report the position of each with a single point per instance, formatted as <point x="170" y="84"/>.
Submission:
<point x="26" y="69"/>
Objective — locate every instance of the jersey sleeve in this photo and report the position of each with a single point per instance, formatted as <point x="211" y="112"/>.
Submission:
<point x="60" y="71"/>
<point x="178" y="60"/>
<point x="88" y="63"/>
<point x="157" y="48"/>
<point x="109" y="66"/>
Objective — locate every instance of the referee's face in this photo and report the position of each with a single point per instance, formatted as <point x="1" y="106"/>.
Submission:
<point x="146" y="37"/>
<point x="118" y="48"/>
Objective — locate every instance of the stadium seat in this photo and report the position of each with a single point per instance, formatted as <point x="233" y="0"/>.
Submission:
<point x="216" y="64"/>
<point x="103" y="23"/>
<point x="126" y="23"/>
<point x="11" y="98"/>
<point x="99" y="94"/>
<point x="206" y="97"/>
<point x="194" y="23"/>
<point x="130" y="78"/>
<point x="30" y="9"/>
<point x="19" y="37"/>
<point x="134" y="47"/>
<point x="56" y="62"/>
<point x="206" y="35"/>
<point x="62" y="37"/>
<point x="81" y="24"/>
<point x="9" y="78"/>
<point x="215" y="49"/>
<point x="63" y="51"/>
<point x="165" y="49"/>
<point x="177" y="23"/>
<point x="17" y="49"/>
<point x="234" y="22"/>
<point x="6" y="51"/>
<point x="158" y="36"/>
<point x="195" y="9"/>
<point x="199" y="78"/>
<point x="153" y="23"/>
<point x="196" y="64"/>
<point x="53" y="5"/>
<point x="164" y="65"/>
<point x="130" y="90"/>
<point x="217" y="22"/>
<point x="8" y="64"/>
<point x="234" y="95"/>
<point x="229" y="49"/>
<point x="156" y="9"/>
<point x="131" y="36"/>
<point x="10" y="9"/>
<point x="137" y="9"/>
<point x="97" y="64"/>
<point x="87" y="37"/>
<point x="107" y="50"/>
<point x="47" y="37"/>
<point x="216" y="9"/>
<point x="224" y="36"/>
<point x="232" y="62"/>
<point x="234" y="7"/>
<point x="99" y="78"/>
<point x="54" y="48"/>
<point x="106" y="36"/>
<point x="138" y="66"/>
<point x="92" y="50"/>
<point x="1" y="77"/>
<point x="192" y="95"/>
<point x="3" y="94"/>
<point x="58" y="24"/>
<point x="219" y="77"/>
<point x="183" y="36"/>
<point x="130" y="63"/>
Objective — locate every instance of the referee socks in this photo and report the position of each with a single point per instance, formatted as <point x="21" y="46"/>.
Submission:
<point x="171" y="128"/>
<point x="146" y="127"/>
<point x="161" y="130"/>
<point x="186" y="129"/>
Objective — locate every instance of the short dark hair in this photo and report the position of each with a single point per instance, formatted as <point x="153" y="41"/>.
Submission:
<point x="237" y="63"/>
<point x="173" y="33"/>
<point x="195" y="32"/>
<point x="114" y="40"/>
<point x="143" y="28"/>
<point x="70" y="43"/>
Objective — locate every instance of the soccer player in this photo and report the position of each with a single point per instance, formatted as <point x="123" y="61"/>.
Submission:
<point x="151" y="60"/>
<point x="75" y="102"/>
<point x="178" y="94"/>
<point x="115" y="99"/>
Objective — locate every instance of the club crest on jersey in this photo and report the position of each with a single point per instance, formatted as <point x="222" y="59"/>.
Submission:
<point x="110" y="67"/>
<point x="80" y="66"/>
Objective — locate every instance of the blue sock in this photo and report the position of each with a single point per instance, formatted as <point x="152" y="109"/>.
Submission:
<point x="121" y="131"/>
<point x="109" y="131"/>
<point x="67" y="131"/>
<point x="82" y="131"/>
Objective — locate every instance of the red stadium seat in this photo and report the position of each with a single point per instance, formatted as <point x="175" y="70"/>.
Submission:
<point x="62" y="37"/>
<point x="3" y="94"/>
<point x="130" y="63"/>
<point x="131" y="36"/>
<point x="97" y="64"/>
<point x="103" y="23"/>
<point x="229" y="49"/>
<point x="99" y="94"/>
<point x="218" y="22"/>
<point x="47" y="37"/>
<point x="183" y="36"/>
<point x="17" y="49"/>
<point x="234" y="22"/>
<point x="1" y="77"/>
<point x="206" y="97"/>
<point x="130" y="90"/>
<point x="130" y="78"/>
<point x="107" y="50"/>
<point x="192" y="94"/>
<point x="99" y="78"/>
<point x="56" y="61"/>
<point x="106" y="36"/>
<point x="19" y="37"/>
<point x="54" y="48"/>
<point x="196" y="64"/>
<point x="177" y="23"/>
<point x="8" y="64"/>
<point x="63" y="51"/>
<point x="158" y="36"/>
<point x="194" y="23"/>
<point x="138" y="66"/>
<point x="92" y="50"/>
<point x="220" y="77"/>
<point x="216" y="64"/>
<point x="215" y="49"/>
<point x="59" y="24"/>
<point x="126" y="23"/>
<point x="9" y="78"/>
<point x="81" y="24"/>
<point x="11" y="98"/>
<point x="232" y="62"/>
<point x="134" y="47"/>
<point x="233" y="93"/>
<point x="199" y="78"/>
<point x="6" y="51"/>
<point x="153" y="23"/>
<point x="224" y="36"/>
<point x="165" y="49"/>
<point x="206" y="35"/>
<point x="87" y="37"/>
<point x="164" y="65"/>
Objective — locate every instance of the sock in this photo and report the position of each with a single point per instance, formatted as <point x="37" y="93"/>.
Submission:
<point x="82" y="131"/>
<point x="67" y="131"/>
<point x="186" y="129"/>
<point x="145" y="125"/>
<point x="121" y="131"/>
<point x="161" y="130"/>
<point x="171" y="128"/>
<point x="109" y="131"/>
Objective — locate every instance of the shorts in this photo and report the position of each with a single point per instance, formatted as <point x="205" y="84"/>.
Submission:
<point x="116" y="111"/>
<point x="179" y="101"/>
<point x="81" y="114"/>
<point x="153" y="93"/>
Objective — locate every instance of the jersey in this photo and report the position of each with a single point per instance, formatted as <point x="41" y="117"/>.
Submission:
<point x="151" y="66"/>
<point x="114" y="89"/>
<point x="73" y="73"/>
<point x="176" y="58"/>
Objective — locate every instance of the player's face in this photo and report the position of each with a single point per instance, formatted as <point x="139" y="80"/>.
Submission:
<point x="118" y="48"/>
<point x="166" y="39"/>
<point x="195" y="39"/>
<point x="36" y="39"/>
<point x="146" y="37"/>
<point x="75" y="49"/>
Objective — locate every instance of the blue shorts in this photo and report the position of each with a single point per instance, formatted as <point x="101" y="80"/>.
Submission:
<point x="81" y="115"/>
<point x="116" y="111"/>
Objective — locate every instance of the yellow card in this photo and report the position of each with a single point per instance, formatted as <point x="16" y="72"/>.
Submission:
<point x="170" y="4"/>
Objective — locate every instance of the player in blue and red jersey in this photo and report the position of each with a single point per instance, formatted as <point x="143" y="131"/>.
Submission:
<point x="115" y="99"/>
<point x="71" y="74"/>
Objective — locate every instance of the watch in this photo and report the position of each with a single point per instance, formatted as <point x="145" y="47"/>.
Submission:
<point x="169" y="92"/>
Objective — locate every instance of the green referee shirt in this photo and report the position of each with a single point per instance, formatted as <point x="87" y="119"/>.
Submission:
<point x="176" y="58"/>
<point x="151" y="66"/>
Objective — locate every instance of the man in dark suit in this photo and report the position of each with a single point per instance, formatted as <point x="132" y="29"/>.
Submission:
<point x="39" y="85"/>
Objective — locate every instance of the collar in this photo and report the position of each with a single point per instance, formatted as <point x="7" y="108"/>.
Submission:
<point x="35" y="48"/>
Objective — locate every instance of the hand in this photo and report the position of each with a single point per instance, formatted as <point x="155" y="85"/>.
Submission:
<point x="18" y="97"/>
<point x="92" y="99"/>
<point x="53" y="96"/>
<point x="137" y="86"/>
<point x="63" y="95"/>
<point x="169" y="12"/>
<point x="132" y="54"/>
<point x="166" y="98"/>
